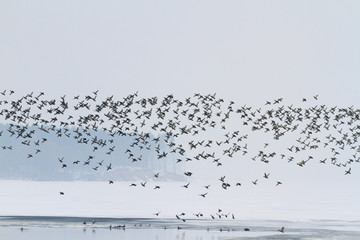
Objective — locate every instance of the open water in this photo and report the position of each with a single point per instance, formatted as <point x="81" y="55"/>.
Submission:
<point x="38" y="228"/>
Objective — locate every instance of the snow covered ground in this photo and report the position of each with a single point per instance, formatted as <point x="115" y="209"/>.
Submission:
<point x="100" y="199"/>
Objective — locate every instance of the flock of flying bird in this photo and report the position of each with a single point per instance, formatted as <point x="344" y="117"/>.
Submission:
<point x="154" y="122"/>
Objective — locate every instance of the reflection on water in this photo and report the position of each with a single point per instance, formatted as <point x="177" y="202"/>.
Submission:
<point x="54" y="228"/>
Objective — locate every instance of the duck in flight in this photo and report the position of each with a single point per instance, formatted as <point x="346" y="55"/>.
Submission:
<point x="186" y="185"/>
<point x="203" y="195"/>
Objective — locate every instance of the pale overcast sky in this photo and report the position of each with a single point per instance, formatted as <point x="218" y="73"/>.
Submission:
<point x="243" y="50"/>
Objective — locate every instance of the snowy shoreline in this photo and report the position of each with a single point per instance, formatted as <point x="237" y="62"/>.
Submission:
<point x="160" y="228"/>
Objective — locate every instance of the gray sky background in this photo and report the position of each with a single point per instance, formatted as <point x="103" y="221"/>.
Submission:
<point x="249" y="51"/>
<point x="246" y="51"/>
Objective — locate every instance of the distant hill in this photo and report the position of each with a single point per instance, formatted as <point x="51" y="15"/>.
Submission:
<point x="15" y="163"/>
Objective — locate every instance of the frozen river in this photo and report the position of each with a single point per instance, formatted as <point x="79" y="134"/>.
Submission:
<point x="36" y="210"/>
